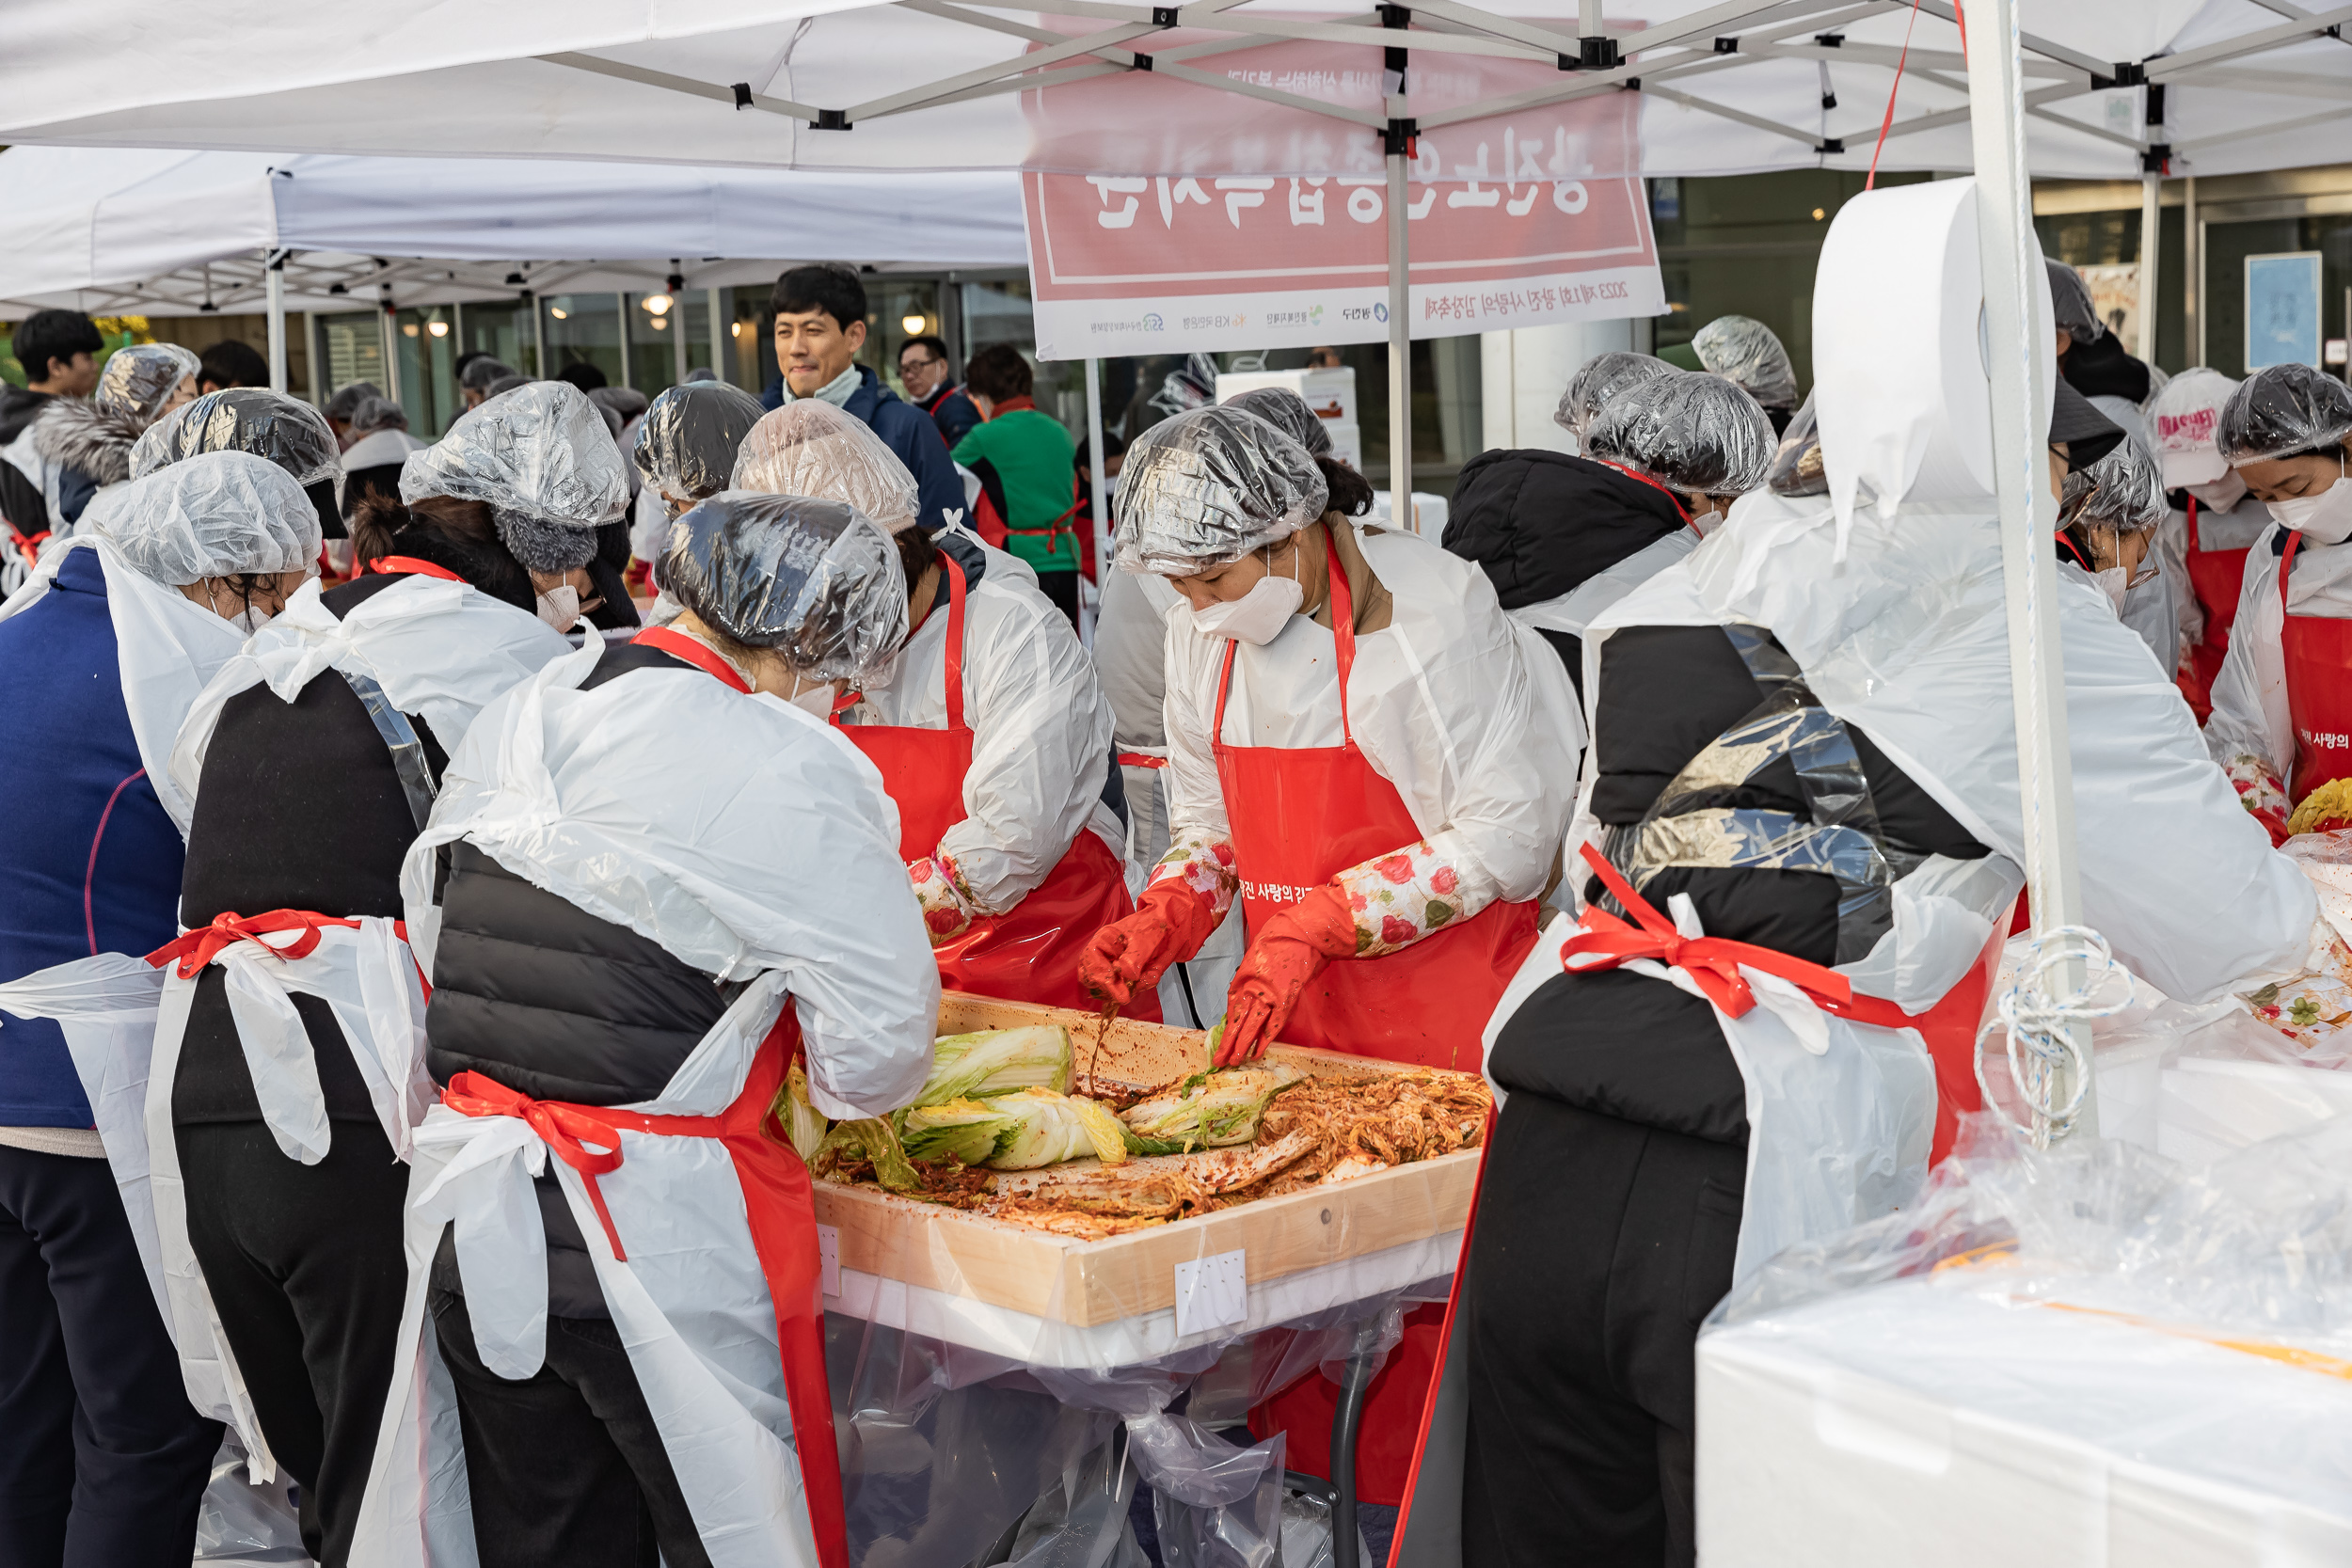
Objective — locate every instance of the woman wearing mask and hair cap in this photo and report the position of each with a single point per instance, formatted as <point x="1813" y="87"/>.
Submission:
<point x="2212" y="521"/>
<point x="287" y="430"/>
<point x="1721" y="1125"/>
<point x="1337" y="670"/>
<point x="989" y="726"/>
<point x="668" y="876"/>
<point x="2108" y="513"/>
<point x="540" y="459"/>
<point x="1746" y="352"/>
<point x="685" y="453"/>
<point x="104" y="652"/>
<point x="2282" y="722"/>
<point x="80" y="446"/>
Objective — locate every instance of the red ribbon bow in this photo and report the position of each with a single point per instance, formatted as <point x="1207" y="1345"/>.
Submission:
<point x="196" y="948"/>
<point x="565" y="1128"/>
<point x="1712" y="962"/>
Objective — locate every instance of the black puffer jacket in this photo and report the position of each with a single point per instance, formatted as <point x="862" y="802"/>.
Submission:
<point x="2104" y="368"/>
<point x="1628" y="1046"/>
<point x="533" y="991"/>
<point x="1540" y="523"/>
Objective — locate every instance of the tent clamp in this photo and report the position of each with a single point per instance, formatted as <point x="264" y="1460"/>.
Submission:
<point x="1164" y="16"/>
<point x="830" y="120"/>
<point x="742" y="96"/>
<point x="277" y="259"/>
<point x="1598" y="54"/>
<point x="2157" y="159"/>
<point x="1726" y="46"/>
<point x="2128" y="73"/>
<point x="1830" y="144"/>
<point x="1830" y="40"/>
<point x="1142" y="60"/>
<point x="1400" y="139"/>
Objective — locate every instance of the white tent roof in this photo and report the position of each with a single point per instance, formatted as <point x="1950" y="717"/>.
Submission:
<point x="117" y="229"/>
<point x="961" y="85"/>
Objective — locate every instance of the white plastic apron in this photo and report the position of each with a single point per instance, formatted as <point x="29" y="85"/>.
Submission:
<point x="690" y="1305"/>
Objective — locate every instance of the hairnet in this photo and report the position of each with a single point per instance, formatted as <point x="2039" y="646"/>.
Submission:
<point x="809" y="448"/>
<point x="2070" y="304"/>
<point x="287" y="430"/>
<point x="139" y="380"/>
<point x="1697" y="433"/>
<point x="1287" y="412"/>
<point x="817" y="580"/>
<point x="686" y="447"/>
<point x="479" y="374"/>
<point x="339" y="407"/>
<point x="1744" y="351"/>
<point x="1601" y="379"/>
<point x="1209" y="486"/>
<point x="2123" y="490"/>
<point x="541" y="458"/>
<point x="216" y="514"/>
<point x="2281" y="411"/>
<point x="373" y="414"/>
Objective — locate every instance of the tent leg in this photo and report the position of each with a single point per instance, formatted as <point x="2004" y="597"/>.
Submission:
<point x="2012" y="278"/>
<point x="1094" y="478"/>
<point x="277" y="279"/>
<point x="538" y="334"/>
<point x="2151" y="249"/>
<point x="677" y="337"/>
<point x="1400" y="355"/>
<point x="718" y="335"/>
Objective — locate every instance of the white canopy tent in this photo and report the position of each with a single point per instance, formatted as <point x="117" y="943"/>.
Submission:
<point x="2056" y="87"/>
<point x="120" y="230"/>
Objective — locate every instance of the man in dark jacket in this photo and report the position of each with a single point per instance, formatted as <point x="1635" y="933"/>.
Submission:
<point x="59" y="352"/>
<point x="930" y="377"/>
<point x="821" y="328"/>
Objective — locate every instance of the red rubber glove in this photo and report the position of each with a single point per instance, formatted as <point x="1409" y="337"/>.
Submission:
<point x="1171" y="920"/>
<point x="1291" y="950"/>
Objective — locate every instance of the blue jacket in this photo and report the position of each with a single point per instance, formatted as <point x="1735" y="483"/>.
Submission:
<point x="907" y="431"/>
<point x="93" y="864"/>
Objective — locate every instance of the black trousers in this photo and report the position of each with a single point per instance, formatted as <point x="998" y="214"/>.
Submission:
<point x="1063" y="587"/>
<point x="1599" y="1246"/>
<point x="102" y="1462"/>
<point x="304" y="1266"/>
<point x="566" y="1466"/>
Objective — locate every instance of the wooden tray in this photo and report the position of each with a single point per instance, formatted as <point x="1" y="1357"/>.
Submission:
<point x="1089" y="1283"/>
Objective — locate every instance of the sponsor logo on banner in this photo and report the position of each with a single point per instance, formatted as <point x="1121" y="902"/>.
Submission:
<point x="1517" y="220"/>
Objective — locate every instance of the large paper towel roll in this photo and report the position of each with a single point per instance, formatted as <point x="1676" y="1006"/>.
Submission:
<point x="1903" y="396"/>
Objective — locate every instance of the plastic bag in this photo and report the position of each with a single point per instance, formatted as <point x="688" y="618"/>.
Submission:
<point x="1601" y="379"/>
<point x="809" y="448"/>
<point x="1208" y="487"/>
<point x="240" y="1523"/>
<point x="816" y="579"/>
<point x="139" y="381"/>
<point x="686" y="446"/>
<point x="1696" y="433"/>
<point x="217" y="514"/>
<point x="287" y="430"/>
<point x="1287" y="412"/>
<point x="542" y="459"/>
<point x="1744" y="351"/>
<point x="2283" y="410"/>
<point x="1797" y="465"/>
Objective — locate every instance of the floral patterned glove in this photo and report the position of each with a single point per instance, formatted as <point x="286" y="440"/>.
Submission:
<point x="2260" y="792"/>
<point x="1400" y="898"/>
<point x="948" y="909"/>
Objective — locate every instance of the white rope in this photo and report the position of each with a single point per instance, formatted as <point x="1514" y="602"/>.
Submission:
<point x="2041" y="1045"/>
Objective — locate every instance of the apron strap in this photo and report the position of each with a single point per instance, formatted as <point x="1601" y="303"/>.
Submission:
<point x="954" y="692"/>
<point x="2286" y="562"/>
<point x="1342" y="635"/>
<point x="561" y="1126"/>
<point x="193" y="949"/>
<point x="2192" y="526"/>
<point x="415" y="566"/>
<point x="1681" y="510"/>
<point x="700" y="655"/>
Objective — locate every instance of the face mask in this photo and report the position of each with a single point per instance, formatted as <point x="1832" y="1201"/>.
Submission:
<point x="2221" y="495"/>
<point x="1257" y="616"/>
<point x="2325" y="518"/>
<point x="815" y="700"/>
<point x="2114" y="582"/>
<point x="559" y="607"/>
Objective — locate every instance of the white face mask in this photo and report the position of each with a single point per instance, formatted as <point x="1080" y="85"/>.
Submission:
<point x="2221" y="495"/>
<point x="559" y="607"/>
<point x="2114" y="582"/>
<point x="1257" y="616"/>
<point x="817" y="700"/>
<point x="2324" y="518"/>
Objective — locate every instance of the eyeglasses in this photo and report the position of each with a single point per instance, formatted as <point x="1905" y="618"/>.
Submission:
<point x="919" y="364"/>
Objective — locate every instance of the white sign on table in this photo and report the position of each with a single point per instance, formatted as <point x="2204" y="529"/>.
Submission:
<point x="1212" y="1293"/>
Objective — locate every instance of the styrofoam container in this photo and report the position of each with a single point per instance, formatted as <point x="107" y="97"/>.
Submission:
<point x="1330" y="392"/>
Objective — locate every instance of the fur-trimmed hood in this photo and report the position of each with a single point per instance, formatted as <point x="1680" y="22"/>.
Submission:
<point x="75" y="433"/>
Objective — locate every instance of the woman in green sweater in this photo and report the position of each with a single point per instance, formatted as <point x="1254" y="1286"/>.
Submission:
<point x="1026" y="462"/>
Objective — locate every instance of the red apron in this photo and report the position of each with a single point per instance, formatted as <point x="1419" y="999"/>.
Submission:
<point x="1030" y="952"/>
<point x="778" y="1207"/>
<point x="2318" y="652"/>
<point x="1302" y="815"/>
<point x="2215" y="577"/>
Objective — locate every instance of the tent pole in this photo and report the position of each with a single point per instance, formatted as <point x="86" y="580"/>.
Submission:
<point x="277" y="279"/>
<point x="389" y="331"/>
<point x="538" y="334"/>
<point x="1095" y="462"/>
<point x="718" y="338"/>
<point x="2151" y="249"/>
<point x="2013" y="272"/>
<point x="1399" y="140"/>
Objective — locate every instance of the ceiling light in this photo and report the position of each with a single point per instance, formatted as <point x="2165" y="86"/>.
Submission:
<point x="659" y="325"/>
<point x="913" y="324"/>
<point x="657" y="304"/>
<point x="1819" y="214"/>
<point x="439" y="330"/>
<point x="559" y="312"/>
<point x="736" y="330"/>
<point x="410" y="329"/>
